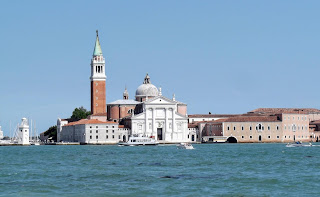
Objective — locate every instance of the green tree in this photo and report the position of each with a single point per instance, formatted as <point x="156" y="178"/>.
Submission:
<point x="79" y="113"/>
<point x="51" y="132"/>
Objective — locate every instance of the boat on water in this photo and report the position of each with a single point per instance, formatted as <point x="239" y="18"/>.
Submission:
<point x="185" y="146"/>
<point x="298" y="144"/>
<point x="139" y="141"/>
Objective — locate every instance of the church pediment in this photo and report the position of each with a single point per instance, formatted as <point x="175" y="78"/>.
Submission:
<point x="160" y="100"/>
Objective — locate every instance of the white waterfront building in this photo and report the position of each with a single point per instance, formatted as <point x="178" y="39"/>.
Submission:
<point x="92" y="131"/>
<point x="23" y="132"/>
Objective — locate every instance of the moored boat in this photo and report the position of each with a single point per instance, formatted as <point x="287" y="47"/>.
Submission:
<point x="298" y="144"/>
<point x="139" y="141"/>
<point x="185" y="146"/>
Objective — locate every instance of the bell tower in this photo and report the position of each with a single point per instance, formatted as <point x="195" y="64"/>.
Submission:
<point x="98" y="80"/>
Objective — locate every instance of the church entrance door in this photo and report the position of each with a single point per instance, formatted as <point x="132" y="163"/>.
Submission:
<point x="159" y="133"/>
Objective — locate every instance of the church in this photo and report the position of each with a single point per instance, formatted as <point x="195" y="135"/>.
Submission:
<point x="150" y="114"/>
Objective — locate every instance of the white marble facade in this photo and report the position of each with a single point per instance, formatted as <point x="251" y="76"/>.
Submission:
<point x="160" y="119"/>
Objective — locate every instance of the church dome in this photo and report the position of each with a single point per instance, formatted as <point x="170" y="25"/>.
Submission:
<point x="147" y="89"/>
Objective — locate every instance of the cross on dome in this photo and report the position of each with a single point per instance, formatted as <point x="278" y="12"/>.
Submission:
<point x="146" y="79"/>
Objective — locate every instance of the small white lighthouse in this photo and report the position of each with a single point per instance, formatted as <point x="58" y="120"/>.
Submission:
<point x="1" y="134"/>
<point x="23" y="134"/>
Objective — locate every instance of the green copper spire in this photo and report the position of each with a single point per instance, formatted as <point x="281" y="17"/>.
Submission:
<point x="97" y="47"/>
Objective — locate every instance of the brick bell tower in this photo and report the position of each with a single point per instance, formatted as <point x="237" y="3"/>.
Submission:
<point x="98" y="80"/>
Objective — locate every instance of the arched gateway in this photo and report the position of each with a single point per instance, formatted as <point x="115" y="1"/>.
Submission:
<point x="232" y="140"/>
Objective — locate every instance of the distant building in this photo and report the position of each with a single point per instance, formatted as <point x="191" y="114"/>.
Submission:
<point x="151" y="114"/>
<point x="261" y="125"/>
<point x="1" y="134"/>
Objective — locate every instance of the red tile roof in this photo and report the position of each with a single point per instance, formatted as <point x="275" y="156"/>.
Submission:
<point x="91" y="121"/>
<point x="213" y="121"/>
<point x="212" y="115"/>
<point x="253" y="119"/>
<point x="286" y="110"/>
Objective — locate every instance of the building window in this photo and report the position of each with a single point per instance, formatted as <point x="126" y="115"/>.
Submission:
<point x="96" y="131"/>
<point x="269" y="136"/>
<point x="106" y="136"/>
<point x="242" y="128"/>
<point x="234" y="128"/>
<point x="250" y="128"/>
<point x="285" y="127"/>
<point x="90" y="127"/>
<point x="228" y="128"/>
<point x="112" y="131"/>
<point x="188" y="136"/>
<point x="269" y="128"/>
<point x="113" y="136"/>
<point x="106" y="131"/>
<point x="90" y="137"/>
<point x="293" y="118"/>
<point x="106" y="126"/>
<point x="289" y="136"/>
<point x="96" y="126"/>
<point x="119" y="137"/>
<point x="277" y="127"/>
<point x="277" y="136"/>
<point x="285" y="136"/>
<point x="250" y="136"/>
<point x="298" y="118"/>
<point x="242" y="137"/>
<point x="90" y="131"/>
<point x="112" y="126"/>
<point x="96" y="137"/>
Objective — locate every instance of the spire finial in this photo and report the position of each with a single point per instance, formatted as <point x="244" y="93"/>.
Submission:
<point x="97" y="48"/>
<point x="125" y="94"/>
<point x="160" y="91"/>
<point x="174" y="97"/>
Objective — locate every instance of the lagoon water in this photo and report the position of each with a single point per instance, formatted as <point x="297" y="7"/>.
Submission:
<point x="209" y="170"/>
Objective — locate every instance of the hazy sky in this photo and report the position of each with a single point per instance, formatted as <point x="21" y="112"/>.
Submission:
<point x="218" y="56"/>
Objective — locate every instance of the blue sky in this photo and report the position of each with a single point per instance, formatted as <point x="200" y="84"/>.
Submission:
<point x="217" y="56"/>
